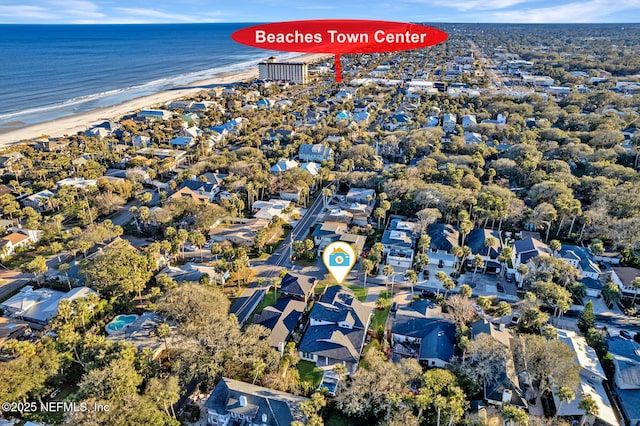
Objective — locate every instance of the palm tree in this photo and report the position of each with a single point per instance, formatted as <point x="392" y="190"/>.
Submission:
<point x="163" y="331"/>
<point x="388" y="271"/>
<point x="412" y="277"/>
<point x="367" y="267"/>
<point x="442" y="277"/>
<point x="564" y="394"/>
<point x="477" y="262"/>
<point x="64" y="268"/>
<point x="555" y="246"/>
<point x="589" y="406"/>
<point x="503" y="258"/>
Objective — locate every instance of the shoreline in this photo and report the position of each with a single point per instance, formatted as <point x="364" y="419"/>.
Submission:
<point x="72" y="124"/>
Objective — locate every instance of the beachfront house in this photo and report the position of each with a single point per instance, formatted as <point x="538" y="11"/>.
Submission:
<point x="154" y="114"/>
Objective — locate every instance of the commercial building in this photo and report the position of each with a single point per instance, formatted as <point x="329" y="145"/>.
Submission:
<point x="295" y="72"/>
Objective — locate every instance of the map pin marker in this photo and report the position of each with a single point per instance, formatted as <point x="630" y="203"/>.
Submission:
<point x="339" y="257"/>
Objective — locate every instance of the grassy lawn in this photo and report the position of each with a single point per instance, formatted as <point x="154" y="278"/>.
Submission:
<point x="310" y="373"/>
<point x="360" y="292"/>
<point x="379" y="318"/>
<point x="269" y="300"/>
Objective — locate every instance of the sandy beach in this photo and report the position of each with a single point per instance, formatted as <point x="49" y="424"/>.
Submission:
<point x="75" y="123"/>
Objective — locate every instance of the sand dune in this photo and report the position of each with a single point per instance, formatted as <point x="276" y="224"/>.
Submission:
<point x="76" y="123"/>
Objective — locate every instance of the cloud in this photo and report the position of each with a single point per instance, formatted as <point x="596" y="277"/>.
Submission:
<point x="576" y="12"/>
<point x="469" y="5"/>
<point x="317" y="7"/>
<point x="155" y="15"/>
<point x="27" y="12"/>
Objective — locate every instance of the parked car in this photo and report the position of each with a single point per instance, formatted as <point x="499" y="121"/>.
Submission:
<point x="500" y="287"/>
<point x="515" y="318"/>
<point x="508" y="279"/>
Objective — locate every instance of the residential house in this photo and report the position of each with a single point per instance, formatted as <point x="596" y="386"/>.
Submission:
<point x="267" y="210"/>
<point x="265" y="103"/>
<point x="432" y="121"/>
<point x="468" y="121"/>
<point x="444" y="238"/>
<point x="361" y="213"/>
<point x="623" y="276"/>
<point x="141" y="333"/>
<point x="361" y="117"/>
<point x="591" y="378"/>
<point x="362" y="196"/>
<point x="337" y="328"/>
<point x="197" y="190"/>
<point x="626" y="378"/>
<point x="398" y="121"/>
<point x="297" y="286"/>
<point x="38" y="306"/>
<point x="7" y="160"/>
<point x="312" y="168"/>
<point x="279" y="134"/>
<point x="500" y="119"/>
<point x="506" y="388"/>
<point x="326" y="232"/>
<point x="237" y="403"/>
<point x="399" y="242"/>
<point x="472" y="138"/>
<point x="417" y="332"/>
<point x="15" y="240"/>
<point x="477" y="242"/>
<point x="190" y="272"/>
<point x="449" y="123"/>
<point x="182" y="142"/>
<point x="283" y="165"/>
<point x="243" y="233"/>
<point x="141" y="141"/>
<point x="52" y="145"/>
<point x="581" y="259"/>
<point x="529" y="248"/>
<point x="292" y="194"/>
<point x="281" y="320"/>
<point x="315" y="152"/>
<point x="154" y="114"/>
<point x="11" y="328"/>
<point x="40" y="201"/>
<point x="77" y="182"/>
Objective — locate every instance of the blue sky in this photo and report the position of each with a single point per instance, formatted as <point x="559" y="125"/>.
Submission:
<point x="181" y="11"/>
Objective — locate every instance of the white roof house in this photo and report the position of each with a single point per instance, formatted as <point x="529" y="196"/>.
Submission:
<point x="40" y="305"/>
<point x="283" y="165"/>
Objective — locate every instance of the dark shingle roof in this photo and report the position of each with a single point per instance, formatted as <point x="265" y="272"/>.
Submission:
<point x="443" y="237"/>
<point x="439" y="342"/>
<point x="530" y="247"/>
<point x="338" y="304"/>
<point x="476" y="242"/>
<point x="332" y="341"/>
<point x="299" y="286"/>
<point x="279" y="408"/>
<point x="281" y="319"/>
<point x="196" y="185"/>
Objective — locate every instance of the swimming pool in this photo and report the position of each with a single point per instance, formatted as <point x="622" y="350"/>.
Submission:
<point x="120" y="322"/>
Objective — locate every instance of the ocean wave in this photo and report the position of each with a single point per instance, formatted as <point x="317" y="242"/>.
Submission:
<point x="245" y="61"/>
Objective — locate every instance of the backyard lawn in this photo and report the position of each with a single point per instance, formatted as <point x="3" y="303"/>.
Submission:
<point x="310" y="373"/>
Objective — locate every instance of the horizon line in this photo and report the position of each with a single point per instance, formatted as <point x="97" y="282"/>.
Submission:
<point x="265" y="22"/>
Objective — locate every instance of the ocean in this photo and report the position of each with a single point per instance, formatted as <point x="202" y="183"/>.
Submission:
<point x="53" y="71"/>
